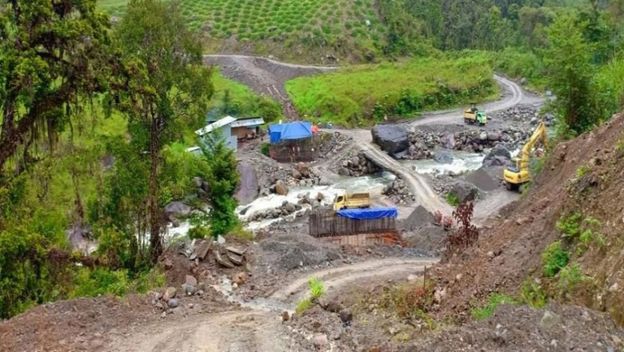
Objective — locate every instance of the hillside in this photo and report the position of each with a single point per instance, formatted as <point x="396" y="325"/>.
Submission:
<point x="562" y="242"/>
<point x="291" y="29"/>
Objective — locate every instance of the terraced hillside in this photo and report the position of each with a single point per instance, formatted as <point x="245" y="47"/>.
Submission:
<point x="299" y="30"/>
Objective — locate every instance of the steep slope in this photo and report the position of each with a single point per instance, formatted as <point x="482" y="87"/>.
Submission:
<point x="577" y="200"/>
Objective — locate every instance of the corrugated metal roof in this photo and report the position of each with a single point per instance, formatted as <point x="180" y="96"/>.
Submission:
<point x="216" y="125"/>
<point x="248" y="122"/>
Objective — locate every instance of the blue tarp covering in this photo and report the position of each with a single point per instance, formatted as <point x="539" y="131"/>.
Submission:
<point x="369" y="213"/>
<point x="290" y="131"/>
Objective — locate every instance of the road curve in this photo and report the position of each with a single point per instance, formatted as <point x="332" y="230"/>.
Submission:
<point x="259" y="329"/>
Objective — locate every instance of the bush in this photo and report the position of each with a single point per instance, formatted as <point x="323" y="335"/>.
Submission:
<point x="533" y="294"/>
<point x="409" y="301"/>
<point x="100" y="281"/>
<point x="317" y="289"/>
<point x="492" y="304"/>
<point x="303" y="306"/>
<point x="264" y="148"/>
<point x="569" y="278"/>
<point x="452" y="199"/>
<point x="554" y="259"/>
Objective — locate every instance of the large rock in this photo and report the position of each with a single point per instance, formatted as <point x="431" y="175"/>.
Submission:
<point x="392" y="139"/>
<point x="248" y="188"/>
<point x="465" y="191"/>
<point x="498" y="156"/>
<point x="281" y="188"/>
<point x="177" y="210"/>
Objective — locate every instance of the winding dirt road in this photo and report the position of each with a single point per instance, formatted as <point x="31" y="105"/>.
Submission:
<point x="260" y="329"/>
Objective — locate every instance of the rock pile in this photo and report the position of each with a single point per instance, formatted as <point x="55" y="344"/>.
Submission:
<point x="399" y="192"/>
<point x="357" y="165"/>
<point x="423" y="144"/>
<point x="286" y="209"/>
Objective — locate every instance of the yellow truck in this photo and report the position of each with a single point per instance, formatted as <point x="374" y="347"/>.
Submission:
<point x="352" y="200"/>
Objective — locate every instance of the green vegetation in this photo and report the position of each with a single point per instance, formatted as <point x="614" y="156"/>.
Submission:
<point x="533" y="294"/>
<point x="452" y="199"/>
<point x="569" y="279"/>
<point x="235" y="99"/>
<point x="583" y="231"/>
<point x="317" y="289"/>
<point x="494" y="300"/>
<point x="554" y="259"/>
<point x="364" y="95"/>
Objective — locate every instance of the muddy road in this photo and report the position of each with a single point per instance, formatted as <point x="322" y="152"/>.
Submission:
<point x="257" y="325"/>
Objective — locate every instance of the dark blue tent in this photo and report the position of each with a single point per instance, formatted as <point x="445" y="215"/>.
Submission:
<point x="368" y="213"/>
<point x="290" y="131"/>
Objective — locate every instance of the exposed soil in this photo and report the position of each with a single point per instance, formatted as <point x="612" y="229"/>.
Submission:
<point x="509" y="250"/>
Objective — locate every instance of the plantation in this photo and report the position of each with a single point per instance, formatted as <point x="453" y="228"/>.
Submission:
<point x="268" y="25"/>
<point x="363" y="95"/>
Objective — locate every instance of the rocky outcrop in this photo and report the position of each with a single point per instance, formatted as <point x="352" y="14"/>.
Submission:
<point x="392" y="139"/>
<point x="248" y="188"/>
<point x="177" y="210"/>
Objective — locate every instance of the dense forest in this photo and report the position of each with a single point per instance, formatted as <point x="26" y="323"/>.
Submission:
<point x="96" y="118"/>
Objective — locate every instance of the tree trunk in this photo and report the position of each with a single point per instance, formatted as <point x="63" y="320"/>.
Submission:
<point x="156" y="247"/>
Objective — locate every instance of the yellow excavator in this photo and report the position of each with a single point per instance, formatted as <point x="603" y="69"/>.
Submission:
<point x="519" y="175"/>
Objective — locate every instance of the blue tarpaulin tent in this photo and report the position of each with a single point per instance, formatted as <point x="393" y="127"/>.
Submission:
<point x="290" y="131"/>
<point x="369" y="213"/>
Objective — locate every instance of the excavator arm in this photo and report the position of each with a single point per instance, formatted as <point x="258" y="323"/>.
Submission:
<point x="520" y="174"/>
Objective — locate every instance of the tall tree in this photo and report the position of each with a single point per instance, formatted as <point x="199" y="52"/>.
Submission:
<point x="167" y="85"/>
<point x="53" y="54"/>
<point x="223" y="178"/>
<point x="568" y="60"/>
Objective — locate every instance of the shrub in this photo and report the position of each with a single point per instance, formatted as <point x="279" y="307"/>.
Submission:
<point x="452" y="199"/>
<point x="533" y="294"/>
<point x="264" y="148"/>
<point x="317" y="289"/>
<point x="100" y="281"/>
<point x="467" y="234"/>
<point x="409" y="301"/>
<point x="554" y="259"/>
<point x="492" y="304"/>
<point x="303" y="306"/>
<point x="569" y="278"/>
<point x="570" y="225"/>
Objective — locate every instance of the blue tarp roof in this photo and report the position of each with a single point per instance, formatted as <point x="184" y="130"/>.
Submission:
<point x="369" y="213"/>
<point x="290" y="131"/>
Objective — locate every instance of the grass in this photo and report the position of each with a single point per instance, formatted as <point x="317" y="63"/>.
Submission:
<point x="236" y="99"/>
<point x="495" y="300"/>
<point x="363" y="95"/>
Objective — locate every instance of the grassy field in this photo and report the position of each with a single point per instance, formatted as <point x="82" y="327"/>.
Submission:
<point x="363" y="95"/>
<point x="294" y="29"/>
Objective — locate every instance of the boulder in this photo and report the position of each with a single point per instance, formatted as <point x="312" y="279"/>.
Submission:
<point x="281" y="188"/>
<point x="443" y="156"/>
<point x="465" y="191"/>
<point x="498" y="156"/>
<point x="177" y="210"/>
<point x="392" y="139"/>
<point x="170" y="293"/>
<point x="248" y="188"/>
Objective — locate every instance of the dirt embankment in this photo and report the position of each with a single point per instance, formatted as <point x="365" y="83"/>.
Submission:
<point x="582" y="176"/>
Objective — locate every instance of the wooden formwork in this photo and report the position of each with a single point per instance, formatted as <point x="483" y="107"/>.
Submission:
<point x="366" y="239"/>
<point x="325" y="223"/>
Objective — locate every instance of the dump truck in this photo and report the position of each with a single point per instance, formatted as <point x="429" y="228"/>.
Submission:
<point x="473" y="115"/>
<point x="352" y="201"/>
<point x="519" y="174"/>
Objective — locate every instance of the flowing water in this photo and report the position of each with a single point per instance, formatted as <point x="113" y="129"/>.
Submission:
<point x="371" y="184"/>
<point x="462" y="162"/>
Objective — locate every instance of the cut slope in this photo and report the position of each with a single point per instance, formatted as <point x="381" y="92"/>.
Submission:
<point x="582" y="176"/>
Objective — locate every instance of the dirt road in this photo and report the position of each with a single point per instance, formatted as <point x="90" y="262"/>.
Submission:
<point x="259" y="329"/>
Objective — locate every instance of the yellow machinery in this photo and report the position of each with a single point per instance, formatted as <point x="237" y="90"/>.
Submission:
<point x="353" y="200"/>
<point x="474" y="115"/>
<point x="519" y="175"/>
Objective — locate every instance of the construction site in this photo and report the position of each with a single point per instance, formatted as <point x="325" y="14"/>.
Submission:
<point x="372" y="208"/>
